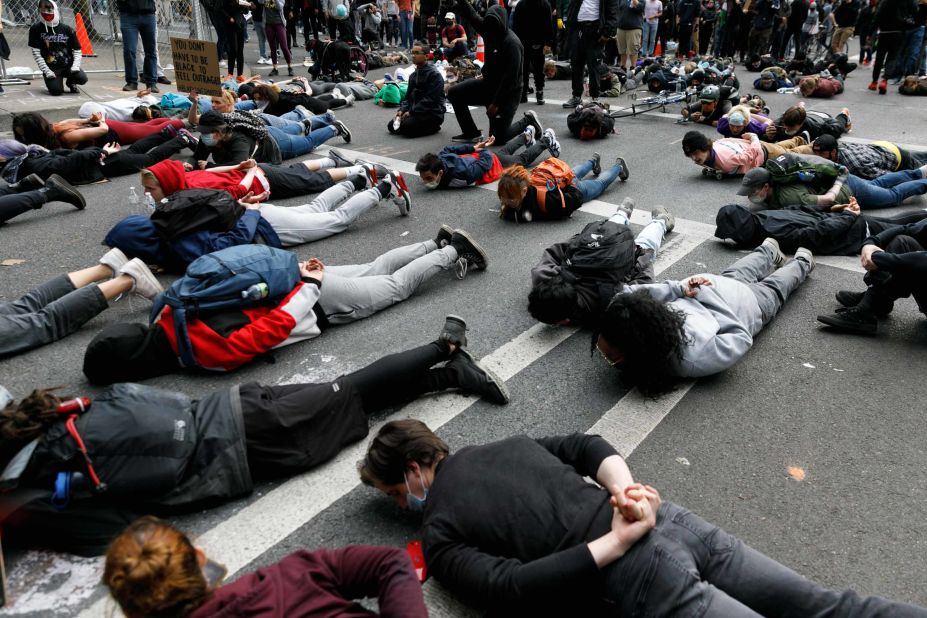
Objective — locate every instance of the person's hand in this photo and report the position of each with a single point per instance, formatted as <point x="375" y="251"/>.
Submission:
<point x="403" y="115"/>
<point x="251" y="198"/>
<point x="201" y="165"/>
<point x="111" y="148"/>
<point x="187" y="166"/>
<point x="491" y="110"/>
<point x="315" y="264"/>
<point x="771" y="130"/>
<point x="193" y="96"/>
<point x="865" y="257"/>
<point x="312" y="269"/>
<point x="630" y="532"/>
<point x="144" y="92"/>
<point x="694" y="283"/>
<point x="696" y="117"/>
<point x="852" y="207"/>
<point x="486" y="143"/>
<point x="95" y="117"/>
<point x="247" y="164"/>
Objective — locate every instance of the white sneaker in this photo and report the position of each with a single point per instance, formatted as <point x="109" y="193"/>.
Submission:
<point x="224" y="64"/>
<point x="263" y="60"/>
<point x="529" y="136"/>
<point x="350" y="99"/>
<point x="550" y="139"/>
<point x="115" y="259"/>
<point x="805" y="254"/>
<point x="146" y="285"/>
<point x="777" y="256"/>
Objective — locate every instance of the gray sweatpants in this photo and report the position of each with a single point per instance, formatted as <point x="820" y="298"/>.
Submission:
<point x="322" y="217"/>
<point x="48" y="313"/>
<point x="350" y="293"/>
<point x="770" y="286"/>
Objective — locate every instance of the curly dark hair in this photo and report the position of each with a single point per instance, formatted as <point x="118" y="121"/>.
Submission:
<point x="34" y="128"/>
<point x="649" y="334"/>
<point x="22" y="422"/>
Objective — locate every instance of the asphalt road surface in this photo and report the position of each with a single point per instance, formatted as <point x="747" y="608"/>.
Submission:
<point x="847" y="410"/>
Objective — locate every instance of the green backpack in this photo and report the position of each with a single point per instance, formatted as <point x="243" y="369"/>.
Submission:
<point x="790" y="168"/>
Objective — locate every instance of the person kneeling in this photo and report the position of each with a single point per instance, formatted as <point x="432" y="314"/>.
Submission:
<point x="422" y="111"/>
<point x="56" y="51"/>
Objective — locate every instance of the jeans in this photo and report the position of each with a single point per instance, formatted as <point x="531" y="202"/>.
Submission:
<point x="889" y="189"/>
<point x="355" y="292"/>
<point x="405" y="29"/>
<point x="771" y="286"/>
<point x="62" y="78"/>
<point x="650" y="238"/>
<point x="649" y="41"/>
<point x="686" y="566"/>
<point x="292" y="122"/>
<point x="262" y="38"/>
<point x="324" y="216"/>
<point x="133" y="25"/>
<point x="907" y="63"/>
<point x="594" y="187"/>
<point x="298" y="145"/>
<point x="48" y="313"/>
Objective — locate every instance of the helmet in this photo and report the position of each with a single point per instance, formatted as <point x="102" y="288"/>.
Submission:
<point x="710" y="93"/>
<point x="341" y="11"/>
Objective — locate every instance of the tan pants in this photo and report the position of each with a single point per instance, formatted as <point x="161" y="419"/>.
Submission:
<point x="840" y="38"/>
<point x="629" y="42"/>
<point x="780" y="148"/>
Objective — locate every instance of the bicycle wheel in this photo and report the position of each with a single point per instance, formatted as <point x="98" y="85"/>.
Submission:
<point x="358" y="60"/>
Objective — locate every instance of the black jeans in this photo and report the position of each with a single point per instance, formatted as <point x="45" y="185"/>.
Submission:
<point x="475" y="92"/>
<point x="416" y="125"/>
<point x="143" y="153"/>
<point x="235" y="45"/>
<point x="886" y="53"/>
<point x="14" y="204"/>
<point x="295" y="180"/>
<point x="312" y="25"/>
<point x="685" y="40"/>
<point x="877" y="225"/>
<point x="48" y="313"/>
<point x="585" y="52"/>
<point x="62" y="78"/>
<point x="399" y="378"/>
<point x="533" y="63"/>
<point x="885" y="288"/>
<point x="507" y="155"/>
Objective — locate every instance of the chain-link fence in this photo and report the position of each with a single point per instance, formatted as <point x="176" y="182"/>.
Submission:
<point x="175" y="18"/>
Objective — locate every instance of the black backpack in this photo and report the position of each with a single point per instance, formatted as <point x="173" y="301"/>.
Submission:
<point x="590" y="121"/>
<point x="602" y="253"/>
<point x="192" y="210"/>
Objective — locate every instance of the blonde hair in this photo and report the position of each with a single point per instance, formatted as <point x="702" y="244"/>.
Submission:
<point x="227" y="96"/>
<point x="147" y="174"/>
<point x="744" y="111"/>
<point x="152" y="570"/>
<point x="807" y="85"/>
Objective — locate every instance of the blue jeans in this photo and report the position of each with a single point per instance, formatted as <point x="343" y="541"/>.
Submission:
<point x="405" y="29"/>
<point x="888" y="190"/>
<point x="262" y="38"/>
<point x="594" y="187"/>
<point x="910" y="53"/>
<point x="292" y="122"/>
<point x="133" y="25"/>
<point x="649" y="42"/>
<point x="298" y="145"/>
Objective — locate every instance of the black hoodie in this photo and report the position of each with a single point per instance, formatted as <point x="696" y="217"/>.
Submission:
<point x="823" y="233"/>
<point x="504" y="53"/>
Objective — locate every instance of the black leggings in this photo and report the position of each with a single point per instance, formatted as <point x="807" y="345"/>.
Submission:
<point x="533" y="63"/>
<point x="507" y="156"/>
<point x="15" y="204"/>
<point x="143" y="153"/>
<point x="400" y="378"/>
<point x="235" y="43"/>
<point x="884" y="290"/>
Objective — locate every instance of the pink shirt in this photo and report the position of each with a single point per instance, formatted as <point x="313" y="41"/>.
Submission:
<point x="736" y="156"/>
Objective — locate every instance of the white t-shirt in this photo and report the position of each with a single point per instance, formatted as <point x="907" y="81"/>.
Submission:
<point x="588" y="11"/>
<point x="118" y="109"/>
<point x="651" y="8"/>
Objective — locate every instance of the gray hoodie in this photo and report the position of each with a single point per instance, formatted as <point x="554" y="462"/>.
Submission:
<point x="720" y="322"/>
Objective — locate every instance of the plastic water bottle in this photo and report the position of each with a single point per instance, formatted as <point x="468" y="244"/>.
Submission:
<point x="133" y="198"/>
<point x="256" y="291"/>
<point x="396" y="123"/>
<point x="788" y="90"/>
<point x="149" y="201"/>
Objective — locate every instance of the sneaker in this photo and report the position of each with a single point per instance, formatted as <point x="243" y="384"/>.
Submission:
<point x="851" y="299"/>
<point x="444" y="236"/>
<point x="402" y="199"/>
<point x="273" y="72"/>
<point x="146" y="285"/>
<point x="169" y="131"/>
<point x="625" y="172"/>
<point x="469" y="253"/>
<point x="476" y="379"/>
<point x="73" y="89"/>
<point x="883" y="86"/>
<point x="626" y="207"/>
<point x="350" y="99"/>
<point x="153" y="88"/>
<point x="777" y="255"/>
<point x="804" y="254"/>
<point x="805" y="135"/>
<point x="596" y="163"/>
<point x="191" y="140"/>
<point x="289" y="71"/>
<point x="454" y="331"/>
<point x="224" y="64"/>
<point x="133" y="87"/>
<point x="29" y="183"/>
<point x="57" y="189"/>
<point x="467" y="139"/>
<point x="873" y="85"/>
<point x="524" y="97"/>
<point x="846" y="112"/>
<point x="164" y="80"/>
<point x="263" y="60"/>
<point x="343" y="131"/>
<point x="529" y="136"/>
<point x="853" y="320"/>
<point x="339" y="159"/>
<point x="550" y="140"/>
<point x="240" y="79"/>
<point x="572" y="102"/>
<point x="303" y="112"/>
<point x="534" y="121"/>
<point x="115" y="259"/>
<point x="660" y="213"/>
<point x="374" y="171"/>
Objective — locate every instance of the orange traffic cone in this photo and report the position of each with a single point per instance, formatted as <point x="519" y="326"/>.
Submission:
<point x="480" y="50"/>
<point x="86" y="49"/>
<point x="658" y="50"/>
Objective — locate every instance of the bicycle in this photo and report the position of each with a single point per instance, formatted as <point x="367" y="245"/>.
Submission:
<point x="651" y="103"/>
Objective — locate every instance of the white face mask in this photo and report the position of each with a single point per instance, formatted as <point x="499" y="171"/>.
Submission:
<point x="757" y="198"/>
<point x="433" y="184"/>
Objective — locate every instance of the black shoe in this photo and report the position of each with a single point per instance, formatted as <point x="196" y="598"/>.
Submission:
<point x="164" y="80"/>
<point x="476" y="379"/>
<point x="343" y="131"/>
<point x="524" y="98"/>
<point x="130" y="87"/>
<point x="572" y="102"/>
<point x="289" y="71"/>
<point x="454" y="331"/>
<point x="153" y="88"/>
<point x="73" y="89"/>
<point x="625" y="172"/>
<point x="57" y="189"/>
<point x="467" y="139"/>
<point x="29" y="183"/>
<point x="444" y="236"/>
<point x="535" y="122"/>
<point x="273" y="73"/>
<point x="339" y="159"/>
<point x="853" y="320"/>
<point x="540" y="97"/>
<point x="596" y="163"/>
<point x="469" y="253"/>
<point x="852" y="299"/>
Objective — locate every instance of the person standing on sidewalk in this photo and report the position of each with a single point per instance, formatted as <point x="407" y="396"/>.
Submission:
<point x="56" y="51"/>
<point x="589" y="23"/>
<point x="137" y="18"/>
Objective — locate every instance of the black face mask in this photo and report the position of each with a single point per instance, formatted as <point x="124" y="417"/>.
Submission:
<point x="448" y="23"/>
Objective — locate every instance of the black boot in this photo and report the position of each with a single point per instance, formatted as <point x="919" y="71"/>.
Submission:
<point x="57" y="189"/>
<point x="29" y="183"/>
<point x="540" y="97"/>
<point x="476" y="379"/>
<point x="853" y="320"/>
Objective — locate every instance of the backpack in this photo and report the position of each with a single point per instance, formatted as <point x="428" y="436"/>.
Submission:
<point x="790" y="168"/>
<point x="551" y="174"/>
<point x="603" y="254"/>
<point x="219" y="281"/>
<point x="590" y="121"/>
<point x="192" y="210"/>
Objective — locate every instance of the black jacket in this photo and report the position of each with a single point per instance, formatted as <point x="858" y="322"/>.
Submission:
<point x="687" y="11"/>
<point x="506" y="524"/>
<point x="425" y="96"/>
<point x="816" y="124"/>
<point x="911" y="264"/>
<point x="532" y="23"/>
<point x="895" y="15"/>
<point x="608" y="16"/>
<point x="141" y="7"/>
<point x="504" y="53"/>
<point x="823" y="232"/>
<point x="75" y="166"/>
<point x="236" y="148"/>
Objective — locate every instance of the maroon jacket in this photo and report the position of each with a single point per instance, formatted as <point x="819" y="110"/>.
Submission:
<point x="323" y="583"/>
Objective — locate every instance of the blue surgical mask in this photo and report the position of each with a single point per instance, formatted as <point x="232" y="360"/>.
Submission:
<point x="209" y="140"/>
<point x="413" y="502"/>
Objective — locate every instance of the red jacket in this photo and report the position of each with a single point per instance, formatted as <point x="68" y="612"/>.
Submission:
<point x="323" y="584"/>
<point x="172" y="178"/>
<point x="248" y="333"/>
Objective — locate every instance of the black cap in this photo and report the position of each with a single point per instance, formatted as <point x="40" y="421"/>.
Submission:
<point x="755" y="178"/>
<point x="825" y="143"/>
